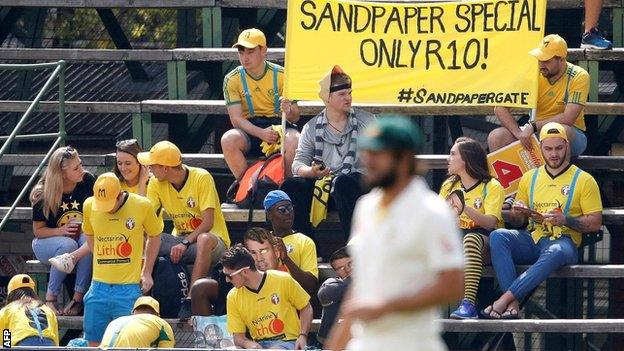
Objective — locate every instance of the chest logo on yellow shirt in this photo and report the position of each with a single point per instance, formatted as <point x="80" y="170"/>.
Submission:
<point x="275" y="299"/>
<point x="289" y="248"/>
<point x="565" y="190"/>
<point x="478" y="203"/>
<point x="190" y="202"/>
<point x="130" y="223"/>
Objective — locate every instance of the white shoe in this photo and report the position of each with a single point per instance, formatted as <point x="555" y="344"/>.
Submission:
<point x="64" y="263"/>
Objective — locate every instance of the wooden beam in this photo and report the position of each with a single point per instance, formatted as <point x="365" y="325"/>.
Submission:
<point x="109" y="3"/>
<point x="211" y="54"/>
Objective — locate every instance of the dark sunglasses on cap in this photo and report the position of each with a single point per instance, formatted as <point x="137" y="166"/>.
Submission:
<point x="67" y="154"/>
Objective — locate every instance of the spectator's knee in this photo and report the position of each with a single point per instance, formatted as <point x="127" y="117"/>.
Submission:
<point x="206" y="242"/>
<point x="232" y="140"/>
<point x="344" y="183"/>
<point x="205" y="289"/>
<point x="498" y="238"/>
<point x="497" y="137"/>
<point x="68" y="246"/>
<point x="556" y="254"/>
<point x="291" y="140"/>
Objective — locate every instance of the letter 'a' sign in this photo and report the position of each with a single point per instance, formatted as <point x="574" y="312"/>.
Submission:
<point x="511" y="162"/>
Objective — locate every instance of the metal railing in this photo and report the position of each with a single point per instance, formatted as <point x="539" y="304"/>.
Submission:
<point x="59" y="137"/>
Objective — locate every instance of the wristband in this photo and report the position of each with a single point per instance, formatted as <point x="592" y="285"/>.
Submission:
<point x="304" y="334"/>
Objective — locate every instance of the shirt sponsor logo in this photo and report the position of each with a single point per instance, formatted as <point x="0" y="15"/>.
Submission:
<point x="130" y="223"/>
<point x="190" y="202"/>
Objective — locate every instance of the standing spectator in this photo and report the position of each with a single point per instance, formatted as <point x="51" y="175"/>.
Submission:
<point x="407" y="259"/>
<point x="295" y="251"/>
<point x="327" y="157"/>
<point x="115" y="222"/>
<point x="252" y="96"/>
<point x="592" y="39"/>
<point x="561" y="97"/>
<point x="143" y="329"/>
<point x="561" y="202"/>
<point x="189" y="196"/>
<point x="270" y="305"/>
<point x="483" y="197"/>
<point x="57" y="201"/>
<point x="133" y="177"/>
<point x="30" y="322"/>
<point x="332" y="291"/>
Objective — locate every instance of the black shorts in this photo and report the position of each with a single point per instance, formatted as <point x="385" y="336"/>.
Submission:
<point x="262" y="122"/>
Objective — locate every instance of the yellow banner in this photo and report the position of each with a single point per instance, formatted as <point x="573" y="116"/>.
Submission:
<point x="462" y="53"/>
<point x="511" y="162"/>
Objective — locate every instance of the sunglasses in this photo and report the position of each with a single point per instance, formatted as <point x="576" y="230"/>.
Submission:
<point x="67" y="154"/>
<point x="343" y="268"/>
<point x="230" y="275"/>
<point x="285" y="209"/>
<point x="126" y="143"/>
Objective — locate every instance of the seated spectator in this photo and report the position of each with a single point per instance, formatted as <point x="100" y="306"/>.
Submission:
<point x="133" y="177"/>
<point x="30" y="321"/>
<point x="115" y="223"/>
<point x="295" y="251"/>
<point x="57" y="200"/>
<point x="483" y="198"/>
<point x="592" y="39"/>
<point x="144" y="328"/>
<point x="327" y="157"/>
<point x="561" y="97"/>
<point x="189" y="196"/>
<point x="252" y="96"/>
<point x="561" y="202"/>
<point x="265" y="249"/>
<point x="332" y="291"/>
<point x="269" y="305"/>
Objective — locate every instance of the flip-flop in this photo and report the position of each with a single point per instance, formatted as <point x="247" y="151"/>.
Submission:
<point x="488" y="315"/>
<point x="511" y="313"/>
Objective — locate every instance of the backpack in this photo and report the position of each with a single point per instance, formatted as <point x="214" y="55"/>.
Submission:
<point x="250" y="189"/>
<point x="171" y="284"/>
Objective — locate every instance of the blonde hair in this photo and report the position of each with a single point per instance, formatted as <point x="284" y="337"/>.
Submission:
<point x="49" y="188"/>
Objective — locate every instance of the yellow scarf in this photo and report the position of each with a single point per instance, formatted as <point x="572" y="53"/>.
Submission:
<point x="269" y="149"/>
<point x="320" y="200"/>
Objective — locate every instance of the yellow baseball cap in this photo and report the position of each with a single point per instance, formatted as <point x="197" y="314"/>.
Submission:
<point x="553" y="130"/>
<point x="147" y="301"/>
<point x="250" y="38"/>
<point x="105" y="191"/>
<point x="20" y="281"/>
<point x="552" y="45"/>
<point x="164" y="153"/>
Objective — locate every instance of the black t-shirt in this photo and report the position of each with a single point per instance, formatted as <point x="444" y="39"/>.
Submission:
<point x="71" y="204"/>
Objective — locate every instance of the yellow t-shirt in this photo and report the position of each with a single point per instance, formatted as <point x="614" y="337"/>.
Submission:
<point x="118" y="238"/>
<point x="261" y="90"/>
<point x="138" y="330"/>
<point x="571" y="88"/>
<point x="131" y="189"/>
<point x="551" y="193"/>
<point x="474" y="197"/>
<point x="185" y="206"/>
<point x="20" y="322"/>
<point x="270" y="313"/>
<point x="302" y="251"/>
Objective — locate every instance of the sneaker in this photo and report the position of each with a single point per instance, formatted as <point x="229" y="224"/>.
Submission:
<point x="185" y="309"/>
<point x="64" y="263"/>
<point x="466" y="310"/>
<point x="593" y="40"/>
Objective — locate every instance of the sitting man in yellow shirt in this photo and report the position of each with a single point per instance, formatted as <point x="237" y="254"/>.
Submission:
<point x="115" y="222"/>
<point x="252" y="93"/>
<point x="209" y="294"/>
<point x="562" y="94"/>
<point x="271" y="306"/>
<point x="190" y="198"/>
<point x="144" y="328"/>
<point x="561" y="202"/>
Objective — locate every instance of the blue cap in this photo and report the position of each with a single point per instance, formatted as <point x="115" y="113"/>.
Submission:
<point x="274" y="197"/>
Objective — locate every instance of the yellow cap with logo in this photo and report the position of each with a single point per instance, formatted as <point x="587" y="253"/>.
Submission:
<point x="552" y="45"/>
<point x="250" y="38"/>
<point x="105" y="191"/>
<point x="164" y="153"/>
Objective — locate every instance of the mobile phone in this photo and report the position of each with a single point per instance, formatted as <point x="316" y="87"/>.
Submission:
<point x="319" y="162"/>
